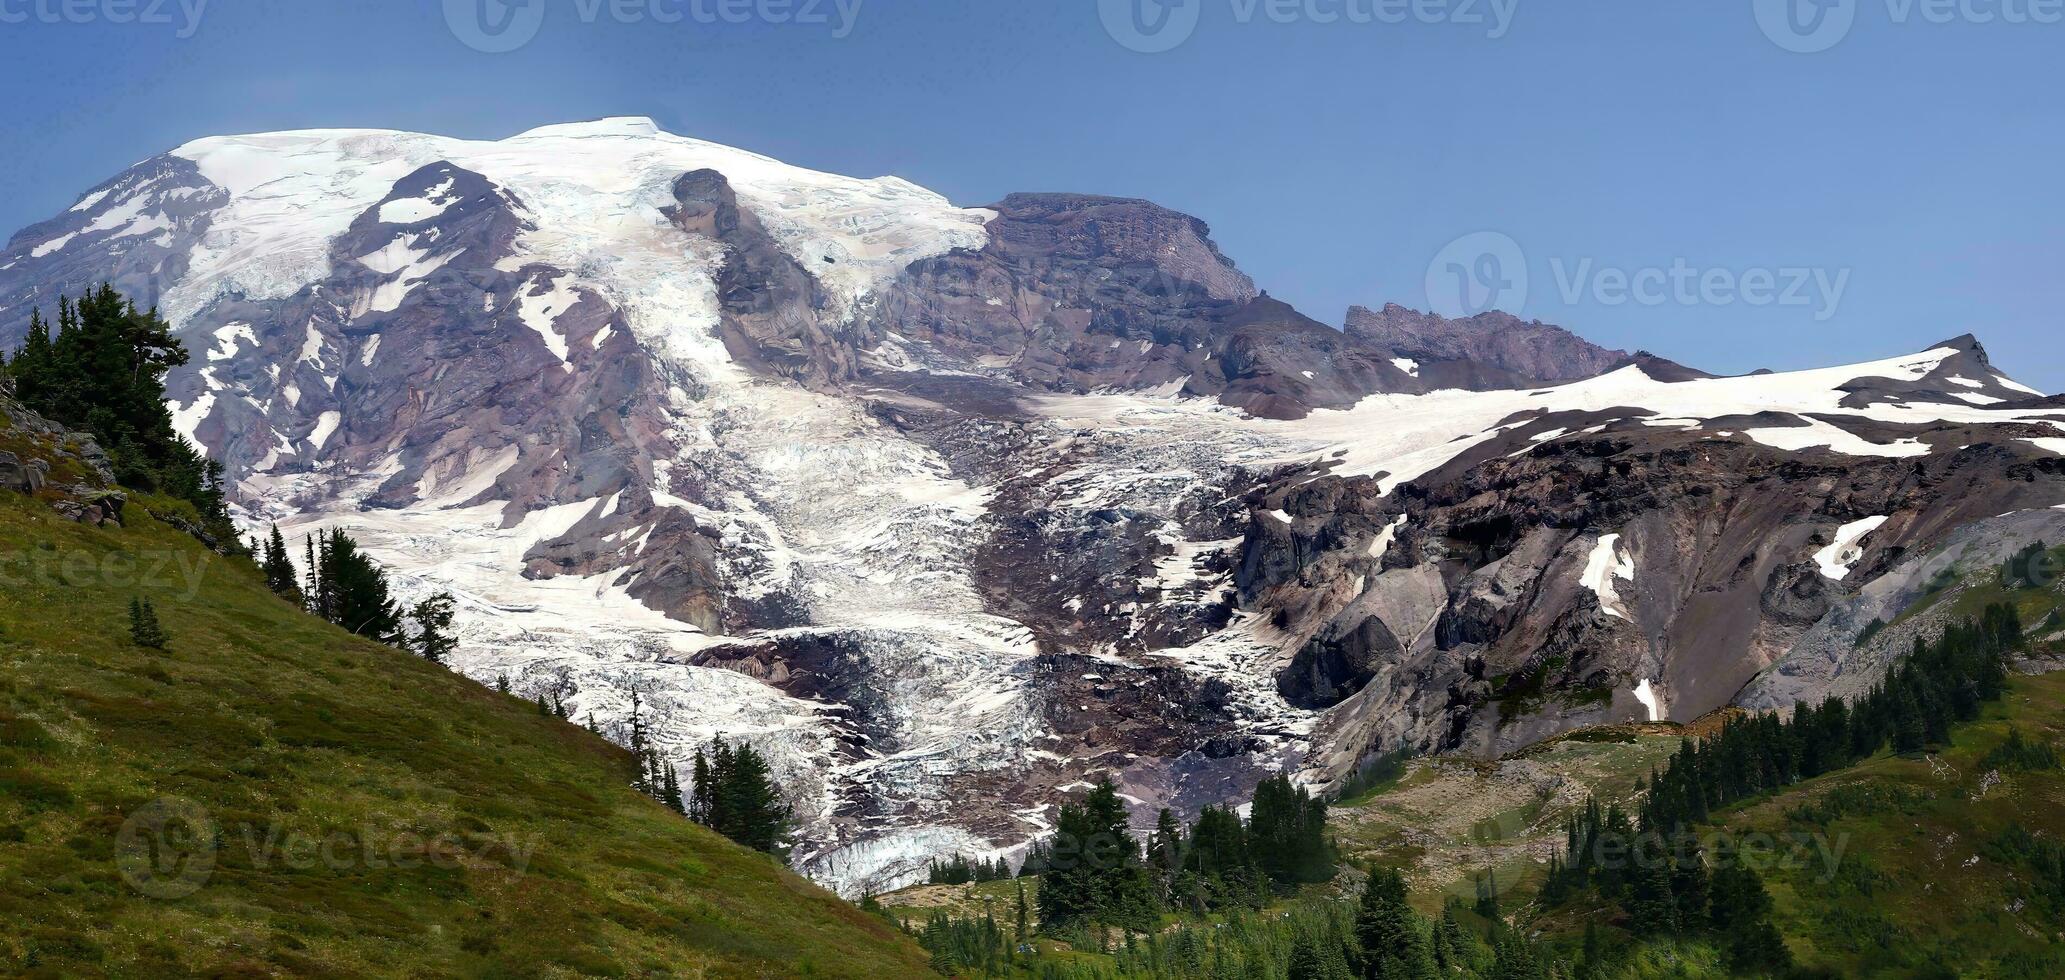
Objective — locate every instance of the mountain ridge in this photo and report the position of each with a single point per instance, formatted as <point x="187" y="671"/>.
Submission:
<point x="949" y="510"/>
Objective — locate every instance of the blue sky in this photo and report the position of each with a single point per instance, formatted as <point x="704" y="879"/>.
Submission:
<point x="1897" y="188"/>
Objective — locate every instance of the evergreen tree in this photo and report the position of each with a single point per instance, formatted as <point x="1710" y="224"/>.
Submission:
<point x="1023" y="916"/>
<point x="1453" y="946"/>
<point x="353" y="592"/>
<point x="312" y="587"/>
<point x="1389" y="932"/>
<point x="280" y="575"/>
<point x="1288" y="828"/>
<point x="735" y="795"/>
<point x="104" y="373"/>
<point x="699" y="790"/>
<point x="144" y="630"/>
<point x="670" y="790"/>
<point x="1652" y="907"/>
<point x="1094" y="872"/>
<point x="1690" y="886"/>
<point x="1488" y="895"/>
<point x="434" y="640"/>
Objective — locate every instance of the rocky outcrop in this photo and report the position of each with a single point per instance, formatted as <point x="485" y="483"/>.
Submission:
<point x="66" y="469"/>
<point x="955" y="511"/>
<point x="1523" y="352"/>
<point x="1075" y="293"/>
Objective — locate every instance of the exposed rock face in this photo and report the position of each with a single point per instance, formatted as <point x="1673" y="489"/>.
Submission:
<point x="1523" y="352"/>
<point x="952" y="511"/>
<point x="1078" y="294"/>
<point x="67" y="469"/>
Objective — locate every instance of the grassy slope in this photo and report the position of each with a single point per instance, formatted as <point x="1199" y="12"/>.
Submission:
<point x="284" y="728"/>
<point x="1917" y="889"/>
<point x="1913" y="890"/>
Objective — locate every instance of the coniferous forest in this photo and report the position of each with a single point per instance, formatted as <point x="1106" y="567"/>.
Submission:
<point x="1208" y="900"/>
<point x="102" y="371"/>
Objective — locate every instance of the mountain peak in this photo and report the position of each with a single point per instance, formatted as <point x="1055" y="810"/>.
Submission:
<point x="605" y="126"/>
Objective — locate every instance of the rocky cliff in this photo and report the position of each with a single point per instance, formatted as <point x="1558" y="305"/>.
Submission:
<point x="952" y="510"/>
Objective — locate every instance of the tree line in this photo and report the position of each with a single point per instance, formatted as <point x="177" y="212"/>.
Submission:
<point x="1092" y="870"/>
<point x="342" y="585"/>
<point x="1656" y="871"/>
<point x="103" y="372"/>
<point x="962" y="870"/>
<point x="731" y="788"/>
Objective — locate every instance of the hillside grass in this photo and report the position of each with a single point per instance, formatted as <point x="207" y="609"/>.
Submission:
<point x="303" y="802"/>
<point x="1920" y="887"/>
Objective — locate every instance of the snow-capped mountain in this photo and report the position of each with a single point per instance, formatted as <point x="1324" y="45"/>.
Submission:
<point x="953" y="509"/>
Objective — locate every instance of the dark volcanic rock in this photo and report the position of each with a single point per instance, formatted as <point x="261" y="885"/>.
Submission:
<point x="1335" y="664"/>
<point x="1531" y="351"/>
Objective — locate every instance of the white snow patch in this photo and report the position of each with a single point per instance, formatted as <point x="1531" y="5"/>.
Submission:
<point x="1836" y="559"/>
<point x="226" y="346"/>
<point x="1381" y="544"/>
<point x="540" y="311"/>
<point x="1651" y="698"/>
<point x="593" y="189"/>
<point x="1608" y="562"/>
<point x="189" y="418"/>
<point x="325" y="425"/>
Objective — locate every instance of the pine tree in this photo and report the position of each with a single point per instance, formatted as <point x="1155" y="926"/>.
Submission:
<point x="1488" y="895"/>
<point x="280" y="575"/>
<point x="433" y="617"/>
<point x="352" y="591"/>
<point x="312" y="588"/>
<point x="699" y="792"/>
<point x="1393" y="946"/>
<point x="104" y="373"/>
<point x="144" y="630"/>
<point x="757" y="812"/>
<point x="1023" y="915"/>
<point x="670" y="790"/>
<point x="1652" y="908"/>
<point x="1094" y="872"/>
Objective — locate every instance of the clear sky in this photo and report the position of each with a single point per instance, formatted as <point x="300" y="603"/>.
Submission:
<point x="1767" y="206"/>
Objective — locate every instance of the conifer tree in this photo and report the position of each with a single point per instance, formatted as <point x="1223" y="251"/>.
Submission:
<point x="433" y="618"/>
<point x="104" y="373"/>
<point x="353" y="591"/>
<point x="144" y="629"/>
<point x="280" y="575"/>
<point x="1023" y="915"/>
<point x="1094" y="873"/>
<point x="1388" y="931"/>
